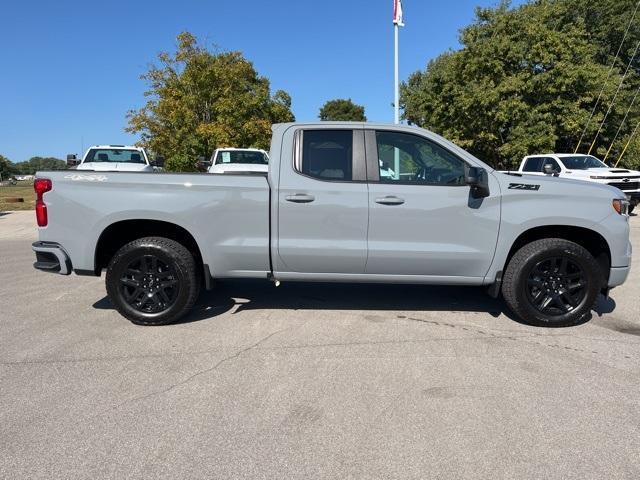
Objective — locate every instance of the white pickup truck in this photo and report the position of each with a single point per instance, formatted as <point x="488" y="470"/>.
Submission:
<point x="587" y="168"/>
<point x="123" y="158"/>
<point x="230" y="160"/>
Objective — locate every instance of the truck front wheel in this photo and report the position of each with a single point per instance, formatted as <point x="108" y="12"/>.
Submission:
<point x="152" y="281"/>
<point x="552" y="282"/>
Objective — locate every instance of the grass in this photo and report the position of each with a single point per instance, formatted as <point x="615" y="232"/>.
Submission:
<point x="21" y="190"/>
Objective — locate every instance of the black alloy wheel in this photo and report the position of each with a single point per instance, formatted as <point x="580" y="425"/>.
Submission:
<point x="553" y="282"/>
<point x="149" y="285"/>
<point x="556" y="286"/>
<point x="153" y="280"/>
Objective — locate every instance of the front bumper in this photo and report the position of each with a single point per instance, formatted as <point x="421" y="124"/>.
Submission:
<point x="617" y="276"/>
<point x="51" y="257"/>
<point x="633" y="197"/>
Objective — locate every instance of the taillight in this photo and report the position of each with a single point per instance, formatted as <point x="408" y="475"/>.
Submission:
<point x="41" y="186"/>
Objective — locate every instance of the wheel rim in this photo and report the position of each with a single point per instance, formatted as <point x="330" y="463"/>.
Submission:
<point x="149" y="284"/>
<point x="556" y="286"/>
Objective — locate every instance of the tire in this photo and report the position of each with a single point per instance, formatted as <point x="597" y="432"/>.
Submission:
<point x="632" y="207"/>
<point x="541" y="293"/>
<point x="153" y="281"/>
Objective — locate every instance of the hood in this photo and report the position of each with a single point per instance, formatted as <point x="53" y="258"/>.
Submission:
<point x="115" y="166"/>
<point x="605" y="172"/>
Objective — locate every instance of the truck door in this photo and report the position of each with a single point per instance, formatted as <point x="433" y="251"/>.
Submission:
<point x="422" y="218"/>
<point x="322" y="203"/>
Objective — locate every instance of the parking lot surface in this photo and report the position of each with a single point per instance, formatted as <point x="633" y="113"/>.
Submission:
<point x="310" y="381"/>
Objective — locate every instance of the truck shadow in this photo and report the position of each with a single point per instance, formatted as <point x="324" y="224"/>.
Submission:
<point x="238" y="296"/>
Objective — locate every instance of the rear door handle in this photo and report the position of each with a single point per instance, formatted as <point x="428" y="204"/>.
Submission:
<point x="390" y="200"/>
<point x="300" y="198"/>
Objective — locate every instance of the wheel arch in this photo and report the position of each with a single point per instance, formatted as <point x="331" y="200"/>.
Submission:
<point x="119" y="233"/>
<point x="591" y="240"/>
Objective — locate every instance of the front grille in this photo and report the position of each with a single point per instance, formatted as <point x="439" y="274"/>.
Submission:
<point x="624" y="186"/>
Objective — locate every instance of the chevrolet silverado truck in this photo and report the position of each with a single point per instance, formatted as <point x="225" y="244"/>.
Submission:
<point x="587" y="168"/>
<point x="326" y="212"/>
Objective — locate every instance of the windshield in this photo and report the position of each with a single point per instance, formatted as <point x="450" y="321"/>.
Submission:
<point x="114" y="155"/>
<point x="582" y="162"/>
<point x="230" y="156"/>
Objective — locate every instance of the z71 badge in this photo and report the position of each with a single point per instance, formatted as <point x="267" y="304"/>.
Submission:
<point x="523" y="186"/>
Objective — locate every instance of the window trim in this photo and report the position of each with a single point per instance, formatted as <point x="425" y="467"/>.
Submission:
<point x="358" y="167"/>
<point x="373" y="166"/>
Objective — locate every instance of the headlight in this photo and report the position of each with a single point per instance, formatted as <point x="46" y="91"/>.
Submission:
<point x="621" y="205"/>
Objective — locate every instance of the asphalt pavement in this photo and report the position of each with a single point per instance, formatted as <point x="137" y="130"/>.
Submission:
<point x="310" y="381"/>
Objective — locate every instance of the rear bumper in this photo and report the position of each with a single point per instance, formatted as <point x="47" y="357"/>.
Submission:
<point x="51" y="257"/>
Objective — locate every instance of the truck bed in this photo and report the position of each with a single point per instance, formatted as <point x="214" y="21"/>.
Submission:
<point x="227" y="215"/>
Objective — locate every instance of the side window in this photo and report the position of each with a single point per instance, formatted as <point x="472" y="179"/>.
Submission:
<point x="552" y="162"/>
<point x="327" y="154"/>
<point x="533" y="164"/>
<point x="406" y="158"/>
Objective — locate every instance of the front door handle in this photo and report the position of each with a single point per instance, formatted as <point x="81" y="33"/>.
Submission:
<point x="300" y="198"/>
<point x="390" y="200"/>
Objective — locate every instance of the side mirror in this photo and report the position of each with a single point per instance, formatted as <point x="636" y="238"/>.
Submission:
<point x="476" y="178"/>
<point x="158" y="162"/>
<point x="549" y="170"/>
<point x="72" y="160"/>
<point x="202" y="164"/>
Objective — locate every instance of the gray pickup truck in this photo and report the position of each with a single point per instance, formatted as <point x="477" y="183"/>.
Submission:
<point x="341" y="202"/>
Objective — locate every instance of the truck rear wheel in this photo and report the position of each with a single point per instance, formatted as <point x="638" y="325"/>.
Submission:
<point x="153" y="281"/>
<point x="552" y="282"/>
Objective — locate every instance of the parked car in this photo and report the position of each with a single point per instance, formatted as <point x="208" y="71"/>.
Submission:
<point x="226" y="160"/>
<point x="325" y="212"/>
<point x="124" y="158"/>
<point x="587" y="168"/>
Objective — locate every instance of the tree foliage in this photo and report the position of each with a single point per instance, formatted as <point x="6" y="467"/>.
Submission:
<point x="34" y="164"/>
<point x="7" y="169"/>
<point x="527" y="79"/>
<point x="342" y="110"/>
<point x="201" y="100"/>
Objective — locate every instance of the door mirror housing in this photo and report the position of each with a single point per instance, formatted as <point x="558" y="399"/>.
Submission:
<point x="72" y="160"/>
<point x="158" y="162"/>
<point x="478" y="180"/>
<point x="202" y="164"/>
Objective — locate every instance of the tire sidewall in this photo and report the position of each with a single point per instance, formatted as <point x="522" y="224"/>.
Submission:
<point x="592" y="276"/>
<point x="119" y="264"/>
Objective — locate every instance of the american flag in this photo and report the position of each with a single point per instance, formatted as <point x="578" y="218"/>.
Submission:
<point x="397" y="13"/>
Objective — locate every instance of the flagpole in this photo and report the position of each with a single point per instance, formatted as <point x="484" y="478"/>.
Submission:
<point x="396" y="86"/>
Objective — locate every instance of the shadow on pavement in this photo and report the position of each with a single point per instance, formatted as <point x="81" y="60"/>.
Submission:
<point x="261" y="295"/>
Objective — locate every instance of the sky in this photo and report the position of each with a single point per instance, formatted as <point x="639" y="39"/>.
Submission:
<point x="70" y="70"/>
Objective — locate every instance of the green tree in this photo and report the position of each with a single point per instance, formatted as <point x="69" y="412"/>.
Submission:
<point x="201" y="100"/>
<point x="7" y="169"/>
<point x="34" y="164"/>
<point x="342" y="110"/>
<point x="527" y="79"/>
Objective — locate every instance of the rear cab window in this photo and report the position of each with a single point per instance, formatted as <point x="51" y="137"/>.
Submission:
<point x="115" y="155"/>
<point x="326" y="154"/>
<point x="245" y="158"/>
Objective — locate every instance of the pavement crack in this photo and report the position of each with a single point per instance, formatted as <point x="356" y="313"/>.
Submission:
<point x="195" y="375"/>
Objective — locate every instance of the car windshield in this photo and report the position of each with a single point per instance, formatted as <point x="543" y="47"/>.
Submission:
<point x="230" y="156"/>
<point x="582" y="162"/>
<point x="114" y="155"/>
